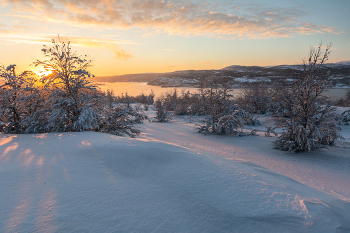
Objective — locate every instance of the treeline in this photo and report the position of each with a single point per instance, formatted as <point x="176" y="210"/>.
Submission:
<point x="127" y="99"/>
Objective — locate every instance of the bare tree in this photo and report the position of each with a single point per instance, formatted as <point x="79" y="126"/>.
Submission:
<point x="308" y="124"/>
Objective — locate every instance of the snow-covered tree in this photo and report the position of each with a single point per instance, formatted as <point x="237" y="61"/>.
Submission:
<point x="223" y="116"/>
<point x="170" y="100"/>
<point x="217" y="105"/>
<point x="137" y="114"/>
<point x="73" y="100"/>
<point x="183" y="104"/>
<point x="19" y="99"/>
<point x="308" y="123"/>
<point x="162" y="115"/>
<point x="197" y="104"/>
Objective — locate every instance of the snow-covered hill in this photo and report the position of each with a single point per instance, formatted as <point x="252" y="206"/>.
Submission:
<point x="235" y="75"/>
<point x="239" y="75"/>
<point x="170" y="179"/>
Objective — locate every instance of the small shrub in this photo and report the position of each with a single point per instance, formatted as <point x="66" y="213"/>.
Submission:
<point x="162" y="115"/>
<point x="118" y="121"/>
<point x="344" y="118"/>
<point x="228" y="124"/>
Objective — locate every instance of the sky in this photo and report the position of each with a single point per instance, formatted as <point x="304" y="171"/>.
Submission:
<point x="145" y="36"/>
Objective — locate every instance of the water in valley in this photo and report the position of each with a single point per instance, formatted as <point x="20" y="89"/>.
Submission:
<point x="137" y="88"/>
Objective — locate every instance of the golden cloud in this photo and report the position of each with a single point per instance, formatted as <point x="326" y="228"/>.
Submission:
<point x="121" y="54"/>
<point x="185" y="18"/>
<point x="112" y="45"/>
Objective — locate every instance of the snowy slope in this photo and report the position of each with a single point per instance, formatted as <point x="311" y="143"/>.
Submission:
<point x="326" y="170"/>
<point x="94" y="182"/>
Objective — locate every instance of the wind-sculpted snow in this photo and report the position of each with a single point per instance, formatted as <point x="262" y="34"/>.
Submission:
<point x="94" y="182"/>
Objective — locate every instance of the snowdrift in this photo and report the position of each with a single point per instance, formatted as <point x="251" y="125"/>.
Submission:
<point x="94" y="182"/>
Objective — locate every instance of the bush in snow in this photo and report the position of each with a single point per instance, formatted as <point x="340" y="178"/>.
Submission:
<point x="118" y="121"/>
<point x="344" y="118"/>
<point x="162" y="115"/>
<point x="183" y="105"/>
<point x="270" y="130"/>
<point x="170" y="100"/>
<point x="256" y="98"/>
<point x="223" y="116"/>
<point x="110" y="97"/>
<point x="217" y="105"/>
<point x="227" y="124"/>
<point x="250" y="120"/>
<point x="136" y="114"/>
<point x="198" y="104"/>
<point x="307" y="124"/>
<point x="145" y="107"/>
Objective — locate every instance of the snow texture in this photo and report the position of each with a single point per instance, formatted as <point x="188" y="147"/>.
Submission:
<point x="169" y="180"/>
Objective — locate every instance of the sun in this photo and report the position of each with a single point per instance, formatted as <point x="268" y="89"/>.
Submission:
<point x="44" y="72"/>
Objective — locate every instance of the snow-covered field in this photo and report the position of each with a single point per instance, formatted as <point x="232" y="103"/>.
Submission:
<point x="170" y="179"/>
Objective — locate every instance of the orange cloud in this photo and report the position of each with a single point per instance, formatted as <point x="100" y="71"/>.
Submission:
<point x="123" y="55"/>
<point x="185" y="18"/>
<point x="112" y="45"/>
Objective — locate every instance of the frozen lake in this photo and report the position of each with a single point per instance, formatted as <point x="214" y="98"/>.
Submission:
<point x="137" y="88"/>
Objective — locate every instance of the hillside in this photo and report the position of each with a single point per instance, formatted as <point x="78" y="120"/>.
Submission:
<point x="233" y="75"/>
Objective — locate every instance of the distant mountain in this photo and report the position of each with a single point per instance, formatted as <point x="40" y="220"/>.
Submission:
<point x="234" y="75"/>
